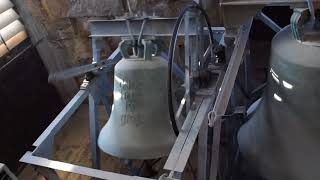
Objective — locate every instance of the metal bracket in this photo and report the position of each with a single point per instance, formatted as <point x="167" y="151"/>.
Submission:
<point x="4" y="168"/>
<point x="299" y="18"/>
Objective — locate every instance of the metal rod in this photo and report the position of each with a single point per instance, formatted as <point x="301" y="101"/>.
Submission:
<point x="269" y="22"/>
<point x="311" y="9"/>
<point x="106" y="65"/>
<point x="187" y="56"/>
<point x="77" y="71"/>
<point x="141" y="31"/>
<point x="208" y="51"/>
<point x="181" y="106"/>
<point x="129" y="8"/>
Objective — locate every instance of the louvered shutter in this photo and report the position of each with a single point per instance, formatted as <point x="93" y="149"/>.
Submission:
<point x="12" y="31"/>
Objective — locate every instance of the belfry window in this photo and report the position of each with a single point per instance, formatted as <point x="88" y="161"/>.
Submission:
<point x="12" y="31"/>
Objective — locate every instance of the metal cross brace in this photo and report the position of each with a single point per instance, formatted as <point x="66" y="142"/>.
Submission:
<point x="224" y="93"/>
<point x="4" y="168"/>
<point x="93" y="89"/>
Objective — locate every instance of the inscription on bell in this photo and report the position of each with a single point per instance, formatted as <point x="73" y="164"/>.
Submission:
<point x="131" y="118"/>
<point x="131" y="95"/>
<point x="139" y="125"/>
<point x="130" y="106"/>
<point x="129" y="84"/>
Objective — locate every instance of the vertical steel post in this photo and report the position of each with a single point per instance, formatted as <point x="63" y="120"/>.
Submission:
<point x="97" y="46"/>
<point x="188" y="80"/>
<point x="247" y="69"/>
<point x="94" y="131"/>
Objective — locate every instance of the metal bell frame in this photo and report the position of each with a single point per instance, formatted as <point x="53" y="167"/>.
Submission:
<point x="196" y="123"/>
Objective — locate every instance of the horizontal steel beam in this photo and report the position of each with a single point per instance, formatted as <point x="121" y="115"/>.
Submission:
<point x="57" y="165"/>
<point x="153" y="27"/>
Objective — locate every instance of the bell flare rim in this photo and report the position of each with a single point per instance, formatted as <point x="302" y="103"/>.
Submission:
<point x="134" y="155"/>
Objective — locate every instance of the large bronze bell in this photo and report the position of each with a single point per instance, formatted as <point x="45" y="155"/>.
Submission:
<point x="139" y="126"/>
<point x="282" y="139"/>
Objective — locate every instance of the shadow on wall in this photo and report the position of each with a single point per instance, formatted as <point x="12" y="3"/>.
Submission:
<point x="27" y="105"/>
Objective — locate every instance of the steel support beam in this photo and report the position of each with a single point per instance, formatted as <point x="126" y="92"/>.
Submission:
<point x="153" y="27"/>
<point x="94" y="131"/>
<point x="57" y="165"/>
<point x="224" y="94"/>
<point x="269" y="22"/>
<point x="64" y="115"/>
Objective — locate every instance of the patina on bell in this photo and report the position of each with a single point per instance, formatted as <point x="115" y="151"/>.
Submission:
<point x="282" y="139"/>
<point x="139" y="126"/>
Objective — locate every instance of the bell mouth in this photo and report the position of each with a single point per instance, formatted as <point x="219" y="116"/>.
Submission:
<point x="141" y="152"/>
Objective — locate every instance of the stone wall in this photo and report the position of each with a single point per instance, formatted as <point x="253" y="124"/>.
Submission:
<point x="66" y="20"/>
<point x="64" y="24"/>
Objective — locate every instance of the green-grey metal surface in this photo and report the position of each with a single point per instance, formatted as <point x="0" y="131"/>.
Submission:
<point x="282" y="139"/>
<point x="139" y="126"/>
